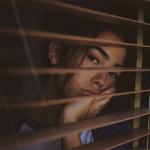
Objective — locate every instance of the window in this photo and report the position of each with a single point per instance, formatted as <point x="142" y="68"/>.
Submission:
<point x="84" y="59"/>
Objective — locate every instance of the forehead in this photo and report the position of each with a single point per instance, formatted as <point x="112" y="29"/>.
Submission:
<point x="115" y="53"/>
<point x="108" y="35"/>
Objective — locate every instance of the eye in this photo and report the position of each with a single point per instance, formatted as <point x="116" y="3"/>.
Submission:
<point x="93" y="59"/>
<point x="114" y="75"/>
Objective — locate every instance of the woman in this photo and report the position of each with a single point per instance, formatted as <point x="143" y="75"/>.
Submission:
<point x="75" y="85"/>
<point x="80" y="84"/>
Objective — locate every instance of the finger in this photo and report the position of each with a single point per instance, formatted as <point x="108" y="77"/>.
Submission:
<point x="109" y="90"/>
<point x="98" y="104"/>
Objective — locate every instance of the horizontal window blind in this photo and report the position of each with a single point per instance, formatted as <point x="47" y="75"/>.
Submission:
<point x="58" y="132"/>
<point x="116" y="141"/>
<point x="80" y="11"/>
<point x="61" y="131"/>
<point x="15" y="104"/>
<point x="68" y="38"/>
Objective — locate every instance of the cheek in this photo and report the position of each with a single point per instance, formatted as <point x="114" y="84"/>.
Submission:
<point x="72" y="86"/>
<point x="77" y="82"/>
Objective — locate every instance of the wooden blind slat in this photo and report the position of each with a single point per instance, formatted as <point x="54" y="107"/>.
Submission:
<point x="63" y="130"/>
<point x="115" y="141"/>
<point x="46" y="71"/>
<point x="17" y="104"/>
<point x="73" y="39"/>
<point x="61" y="7"/>
<point x="140" y="148"/>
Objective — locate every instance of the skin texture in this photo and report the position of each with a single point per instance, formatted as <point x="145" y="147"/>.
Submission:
<point x="82" y="84"/>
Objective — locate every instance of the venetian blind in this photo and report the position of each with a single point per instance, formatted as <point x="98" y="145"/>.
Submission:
<point x="84" y="10"/>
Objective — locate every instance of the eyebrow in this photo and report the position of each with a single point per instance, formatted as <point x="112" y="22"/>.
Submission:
<point x="102" y="51"/>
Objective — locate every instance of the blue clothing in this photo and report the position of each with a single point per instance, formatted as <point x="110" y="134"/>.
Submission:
<point x="105" y="132"/>
<point x="86" y="137"/>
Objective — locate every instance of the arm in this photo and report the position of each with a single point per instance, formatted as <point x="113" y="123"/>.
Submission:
<point x="79" y="111"/>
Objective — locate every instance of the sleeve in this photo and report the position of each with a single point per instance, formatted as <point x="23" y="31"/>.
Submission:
<point x="86" y="137"/>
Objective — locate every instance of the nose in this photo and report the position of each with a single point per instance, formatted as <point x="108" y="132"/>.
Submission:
<point x="100" y="81"/>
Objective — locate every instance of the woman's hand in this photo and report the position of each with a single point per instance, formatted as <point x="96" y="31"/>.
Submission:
<point x="83" y="109"/>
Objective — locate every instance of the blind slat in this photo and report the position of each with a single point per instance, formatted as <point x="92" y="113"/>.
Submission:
<point x="63" y="130"/>
<point x="46" y="71"/>
<point x="73" y="39"/>
<point x="115" y="141"/>
<point x="62" y="7"/>
<point x="17" y="104"/>
<point x="140" y="148"/>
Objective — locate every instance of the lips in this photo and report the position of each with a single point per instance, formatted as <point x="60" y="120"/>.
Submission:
<point x="88" y="92"/>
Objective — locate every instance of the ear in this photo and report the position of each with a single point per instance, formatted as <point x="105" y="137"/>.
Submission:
<point x="53" y="53"/>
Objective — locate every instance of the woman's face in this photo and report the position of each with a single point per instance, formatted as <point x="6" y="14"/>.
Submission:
<point x="82" y="83"/>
